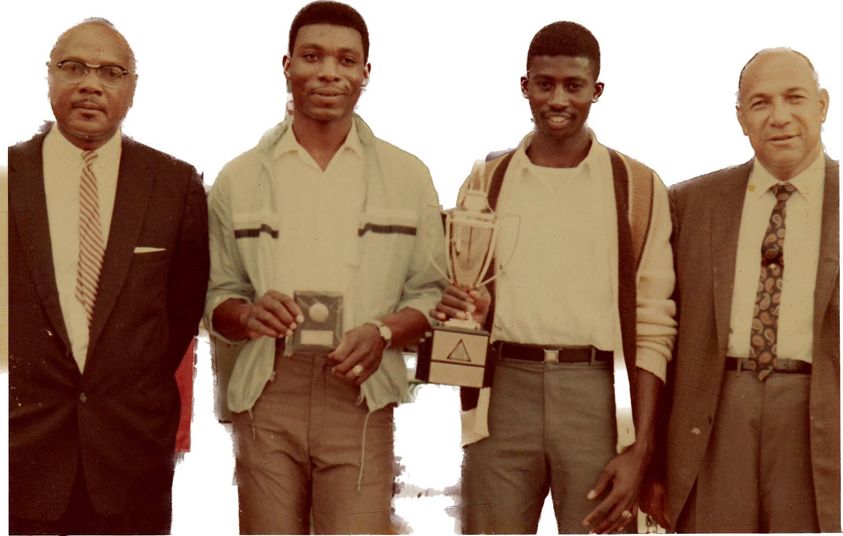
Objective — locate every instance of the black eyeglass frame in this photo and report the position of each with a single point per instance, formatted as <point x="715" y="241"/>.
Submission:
<point x="97" y="68"/>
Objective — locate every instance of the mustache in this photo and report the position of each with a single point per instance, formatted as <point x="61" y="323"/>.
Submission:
<point x="87" y="104"/>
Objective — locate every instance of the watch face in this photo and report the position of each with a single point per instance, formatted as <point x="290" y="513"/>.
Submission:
<point x="383" y="330"/>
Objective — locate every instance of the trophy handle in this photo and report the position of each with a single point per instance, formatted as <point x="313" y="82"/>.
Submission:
<point x="477" y="221"/>
<point x="494" y="239"/>
<point x="489" y="258"/>
<point x="429" y="253"/>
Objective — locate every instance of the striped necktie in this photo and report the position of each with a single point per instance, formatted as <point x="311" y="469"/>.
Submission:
<point x="91" y="246"/>
<point x="765" y="322"/>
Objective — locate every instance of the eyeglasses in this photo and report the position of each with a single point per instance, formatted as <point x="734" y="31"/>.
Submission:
<point x="73" y="71"/>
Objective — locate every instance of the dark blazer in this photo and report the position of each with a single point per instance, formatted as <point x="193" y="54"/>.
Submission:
<point x="706" y="220"/>
<point x="120" y="416"/>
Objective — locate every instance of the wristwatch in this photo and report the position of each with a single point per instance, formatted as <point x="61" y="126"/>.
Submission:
<point x="383" y="330"/>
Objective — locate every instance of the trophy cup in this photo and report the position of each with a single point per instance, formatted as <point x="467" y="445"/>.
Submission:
<point x="455" y="352"/>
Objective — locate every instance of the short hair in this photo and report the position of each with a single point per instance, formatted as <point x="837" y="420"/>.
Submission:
<point x="329" y="12"/>
<point x="565" y="38"/>
<point x="814" y="73"/>
<point x="101" y="22"/>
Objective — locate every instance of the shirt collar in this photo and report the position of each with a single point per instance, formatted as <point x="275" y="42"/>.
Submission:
<point x="808" y="183"/>
<point x="585" y="167"/>
<point x="289" y="144"/>
<point x="65" y="150"/>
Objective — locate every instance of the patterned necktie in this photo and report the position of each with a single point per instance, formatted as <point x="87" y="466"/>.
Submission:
<point x="765" y="320"/>
<point x="91" y="247"/>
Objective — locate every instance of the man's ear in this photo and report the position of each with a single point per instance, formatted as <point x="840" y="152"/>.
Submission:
<point x="524" y="84"/>
<point x="739" y="115"/>
<point x="134" y="87"/>
<point x="598" y="91"/>
<point x="824" y="102"/>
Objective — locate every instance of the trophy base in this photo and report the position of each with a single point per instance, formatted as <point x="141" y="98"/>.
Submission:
<point x="462" y="324"/>
<point x="455" y="355"/>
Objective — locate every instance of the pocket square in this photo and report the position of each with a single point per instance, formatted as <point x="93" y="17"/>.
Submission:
<point x="148" y="249"/>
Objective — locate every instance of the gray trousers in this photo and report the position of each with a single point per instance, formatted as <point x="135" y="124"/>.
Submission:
<point x="756" y="474"/>
<point x="552" y="427"/>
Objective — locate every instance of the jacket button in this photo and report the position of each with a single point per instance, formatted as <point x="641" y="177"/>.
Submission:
<point x="83" y="397"/>
<point x="695" y="431"/>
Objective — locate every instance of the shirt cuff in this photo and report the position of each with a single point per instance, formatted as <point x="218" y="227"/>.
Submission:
<point x="212" y="304"/>
<point x="422" y="305"/>
<point x="651" y="361"/>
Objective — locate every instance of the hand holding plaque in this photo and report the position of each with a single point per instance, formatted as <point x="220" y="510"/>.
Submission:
<point x="455" y="353"/>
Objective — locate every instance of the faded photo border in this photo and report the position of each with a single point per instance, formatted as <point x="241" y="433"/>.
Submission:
<point x="445" y="87"/>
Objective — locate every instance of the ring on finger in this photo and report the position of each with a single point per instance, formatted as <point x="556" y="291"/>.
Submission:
<point x="357" y="370"/>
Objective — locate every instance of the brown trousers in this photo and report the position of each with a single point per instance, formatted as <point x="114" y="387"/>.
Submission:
<point x="299" y="455"/>
<point x="756" y="474"/>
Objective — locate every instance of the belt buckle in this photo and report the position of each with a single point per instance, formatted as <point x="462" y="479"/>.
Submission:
<point x="551" y="355"/>
<point x="746" y="363"/>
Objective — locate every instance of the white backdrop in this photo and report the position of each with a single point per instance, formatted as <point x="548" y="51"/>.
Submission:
<point x="444" y="74"/>
<point x="444" y="80"/>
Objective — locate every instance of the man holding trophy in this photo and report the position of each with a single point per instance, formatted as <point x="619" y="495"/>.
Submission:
<point x="578" y="310"/>
<point x="456" y="352"/>
<point x="323" y="244"/>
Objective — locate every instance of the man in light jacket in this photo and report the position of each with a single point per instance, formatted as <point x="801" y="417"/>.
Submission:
<point x="321" y="204"/>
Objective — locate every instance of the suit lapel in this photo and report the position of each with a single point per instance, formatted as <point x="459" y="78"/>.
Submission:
<point x="725" y="220"/>
<point x="135" y="179"/>
<point x="28" y="207"/>
<point x="829" y="256"/>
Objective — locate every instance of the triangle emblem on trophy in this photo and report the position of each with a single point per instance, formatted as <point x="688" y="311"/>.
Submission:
<point x="459" y="353"/>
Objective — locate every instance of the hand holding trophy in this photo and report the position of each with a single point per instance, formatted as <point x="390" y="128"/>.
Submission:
<point x="455" y="352"/>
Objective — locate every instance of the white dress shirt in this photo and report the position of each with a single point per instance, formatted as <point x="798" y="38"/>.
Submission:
<point x="62" y="174"/>
<point x="556" y="284"/>
<point x="803" y="224"/>
<point x="319" y="215"/>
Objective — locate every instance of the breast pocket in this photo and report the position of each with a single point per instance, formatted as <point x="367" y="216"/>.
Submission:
<point x="389" y="236"/>
<point x="143" y="255"/>
<point x="254" y="225"/>
<point x="147" y="279"/>
<point x="381" y="221"/>
<point x="256" y="235"/>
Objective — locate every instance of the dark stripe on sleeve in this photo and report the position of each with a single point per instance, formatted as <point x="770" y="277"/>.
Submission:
<point x="387" y="229"/>
<point x="254" y="233"/>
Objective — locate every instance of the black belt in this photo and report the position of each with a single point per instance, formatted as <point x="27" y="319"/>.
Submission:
<point x="792" y="366"/>
<point x="556" y="354"/>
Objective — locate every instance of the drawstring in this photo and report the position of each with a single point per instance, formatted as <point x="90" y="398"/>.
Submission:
<point x="252" y="424"/>
<point x="363" y="451"/>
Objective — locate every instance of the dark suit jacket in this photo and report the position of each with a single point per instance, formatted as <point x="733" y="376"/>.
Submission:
<point x="120" y="416"/>
<point x="706" y="219"/>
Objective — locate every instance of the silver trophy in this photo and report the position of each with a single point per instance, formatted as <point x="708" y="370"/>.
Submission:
<point x="455" y="352"/>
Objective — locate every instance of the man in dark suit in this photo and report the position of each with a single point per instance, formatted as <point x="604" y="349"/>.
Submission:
<point x="108" y="267"/>
<point x="753" y="436"/>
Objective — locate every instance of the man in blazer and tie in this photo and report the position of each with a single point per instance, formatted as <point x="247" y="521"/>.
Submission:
<point x="108" y="267"/>
<point x="753" y="435"/>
